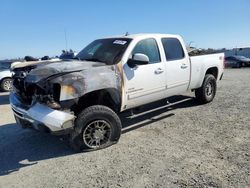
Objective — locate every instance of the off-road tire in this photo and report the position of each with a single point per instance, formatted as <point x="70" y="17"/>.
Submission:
<point x="86" y="117"/>
<point x="201" y="93"/>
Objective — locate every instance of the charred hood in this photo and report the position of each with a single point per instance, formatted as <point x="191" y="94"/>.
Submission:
<point x="44" y="70"/>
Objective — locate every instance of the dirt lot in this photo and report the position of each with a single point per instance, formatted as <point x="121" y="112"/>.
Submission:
<point x="181" y="144"/>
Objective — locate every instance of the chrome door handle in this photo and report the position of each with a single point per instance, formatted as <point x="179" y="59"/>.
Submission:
<point x="184" y="66"/>
<point x="159" y="71"/>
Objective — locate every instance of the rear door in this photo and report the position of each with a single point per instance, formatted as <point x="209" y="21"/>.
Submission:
<point x="145" y="83"/>
<point x="177" y="66"/>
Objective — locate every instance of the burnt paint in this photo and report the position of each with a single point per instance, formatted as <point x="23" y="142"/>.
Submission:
<point x="83" y="76"/>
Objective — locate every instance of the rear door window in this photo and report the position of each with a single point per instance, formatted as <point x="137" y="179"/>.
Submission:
<point x="173" y="49"/>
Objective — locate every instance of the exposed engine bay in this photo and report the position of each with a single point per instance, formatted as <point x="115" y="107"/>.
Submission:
<point x="29" y="92"/>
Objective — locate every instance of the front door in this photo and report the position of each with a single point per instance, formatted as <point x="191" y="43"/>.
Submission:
<point x="145" y="83"/>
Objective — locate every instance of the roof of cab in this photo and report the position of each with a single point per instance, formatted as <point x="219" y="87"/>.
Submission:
<point x="139" y="35"/>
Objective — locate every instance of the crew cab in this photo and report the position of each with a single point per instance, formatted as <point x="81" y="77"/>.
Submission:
<point x="83" y="97"/>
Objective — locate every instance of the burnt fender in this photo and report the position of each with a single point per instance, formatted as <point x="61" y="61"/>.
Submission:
<point x="77" y="84"/>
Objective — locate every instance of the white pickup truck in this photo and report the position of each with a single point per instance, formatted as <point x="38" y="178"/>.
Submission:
<point x="84" y="96"/>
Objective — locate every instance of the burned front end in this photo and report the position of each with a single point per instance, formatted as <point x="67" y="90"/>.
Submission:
<point x="42" y="97"/>
<point x="46" y="97"/>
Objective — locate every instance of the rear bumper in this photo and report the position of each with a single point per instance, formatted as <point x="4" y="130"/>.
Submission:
<point x="41" y="117"/>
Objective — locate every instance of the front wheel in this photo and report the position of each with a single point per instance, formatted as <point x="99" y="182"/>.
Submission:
<point x="96" y="127"/>
<point x="6" y="84"/>
<point x="207" y="91"/>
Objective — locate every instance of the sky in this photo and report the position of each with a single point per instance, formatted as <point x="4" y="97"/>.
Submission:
<point x="37" y="28"/>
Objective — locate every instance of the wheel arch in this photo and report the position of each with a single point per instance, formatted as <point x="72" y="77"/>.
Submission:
<point x="214" y="71"/>
<point x="3" y="78"/>
<point x="109" y="97"/>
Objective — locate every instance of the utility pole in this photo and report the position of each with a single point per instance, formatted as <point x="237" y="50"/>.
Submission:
<point x="66" y="40"/>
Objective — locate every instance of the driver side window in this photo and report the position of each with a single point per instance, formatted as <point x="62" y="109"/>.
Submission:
<point x="148" y="47"/>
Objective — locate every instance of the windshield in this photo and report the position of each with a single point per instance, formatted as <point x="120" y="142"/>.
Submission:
<point x="108" y="51"/>
<point x="5" y="65"/>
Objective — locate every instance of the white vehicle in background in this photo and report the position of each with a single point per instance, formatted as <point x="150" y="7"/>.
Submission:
<point x="5" y="75"/>
<point x="83" y="96"/>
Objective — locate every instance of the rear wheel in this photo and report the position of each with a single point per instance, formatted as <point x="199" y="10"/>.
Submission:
<point x="207" y="91"/>
<point x="96" y="127"/>
<point x="6" y="84"/>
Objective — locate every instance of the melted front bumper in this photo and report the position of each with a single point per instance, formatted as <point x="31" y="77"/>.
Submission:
<point x="40" y="115"/>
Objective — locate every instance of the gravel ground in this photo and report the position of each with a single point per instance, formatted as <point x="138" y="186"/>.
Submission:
<point x="181" y="144"/>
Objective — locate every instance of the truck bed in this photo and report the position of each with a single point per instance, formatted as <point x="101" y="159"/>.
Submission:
<point x="201" y="63"/>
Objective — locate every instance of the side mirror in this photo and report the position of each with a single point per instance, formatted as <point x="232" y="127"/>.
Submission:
<point x="138" y="59"/>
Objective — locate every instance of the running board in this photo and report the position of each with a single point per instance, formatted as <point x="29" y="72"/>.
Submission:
<point x="132" y="116"/>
